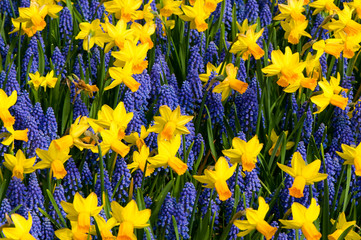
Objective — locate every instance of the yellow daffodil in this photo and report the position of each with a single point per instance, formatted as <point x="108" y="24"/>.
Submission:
<point x="136" y="138"/>
<point x="356" y="4"/>
<point x="105" y="227"/>
<point x="72" y="234"/>
<point x="302" y="173"/>
<point x="218" y="178"/>
<point x="124" y="9"/>
<point x="204" y="77"/>
<point x="107" y="116"/>
<point x="36" y="79"/>
<point x="170" y="123"/>
<point x="81" y="210"/>
<point x="21" y="229"/>
<point x="313" y="68"/>
<point x="49" y="80"/>
<point x="31" y="20"/>
<point x="330" y="95"/>
<point x="166" y="156"/>
<point x="332" y="46"/>
<point x="196" y="15"/>
<point x="19" y="164"/>
<point x="144" y="32"/>
<point x="230" y="82"/>
<point x="147" y="14"/>
<point x="295" y="30"/>
<point x="255" y="220"/>
<point x="351" y="44"/>
<point x="352" y="155"/>
<point x="76" y="130"/>
<point x="139" y="160"/>
<point x="130" y="218"/>
<point x="52" y="7"/>
<point x="5" y="103"/>
<point x="246" y="44"/>
<point x="132" y="54"/>
<point x="118" y="34"/>
<point x="244" y="152"/>
<point x="286" y="66"/>
<point x="211" y="5"/>
<point x="303" y="219"/>
<point x="123" y="75"/>
<point x="274" y="138"/>
<point x="324" y="5"/>
<point x="344" y="23"/>
<point x="21" y="135"/>
<point x="92" y="34"/>
<point x="54" y="159"/>
<point x="292" y="10"/>
<point x="341" y="226"/>
<point x="169" y="7"/>
<point x="112" y="140"/>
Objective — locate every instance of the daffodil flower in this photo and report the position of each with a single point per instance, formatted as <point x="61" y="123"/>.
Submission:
<point x="244" y="152"/>
<point x="169" y="7"/>
<point x="295" y="30"/>
<point x="5" y="103"/>
<point x="54" y="159"/>
<point x="136" y="138"/>
<point x="166" y="156"/>
<point x="13" y="135"/>
<point x="352" y="155"/>
<point x="332" y="46"/>
<point x="230" y="82"/>
<point x="31" y="19"/>
<point x="19" y="164"/>
<point x="292" y="10"/>
<point x="147" y="14"/>
<point x="274" y="138"/>
<point x="111" y="140"/>
<point x="341" y="226"/>
<point x="218" y="178"/>
<point x="105" y="227"/>
<point x="330" y="95"/>
<point x="107" y="116"/>
<point x="204" y="77"/>
<point x="82" y="209"/>
<point x="356" y="4"/>
<point x="324" y="5"/>
<point x="92" y="34"/>
<point x="118" y="33"/>
<point x="196" y="15"/>
<point x="72" y="234"/>
<point x="303" y="174"/>
<point x="170" y="123"/>
<point x="130" y="218"/>
<point x="286" y="66"/>
<point x="303" y="219"/>
<point x="124" y="9"/>
<point x="21" y="229"/>
<point x="139" y="160"/>
<point x="144" y="32"/>
<point x="246" y="44"/>
<point x="77" y="129"/>
<point x="255" y="220"/>
<point x="35" y="79"/>
<point x="123" y="75"/>
<point x="344" y="23"/>
<point x="132" y="54"/>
